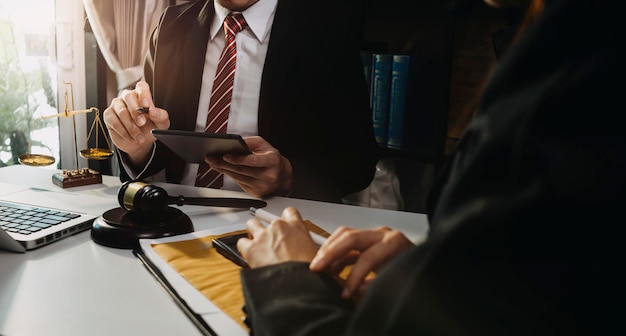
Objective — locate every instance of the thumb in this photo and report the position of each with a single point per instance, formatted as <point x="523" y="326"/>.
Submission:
<point x="160" y="118"/>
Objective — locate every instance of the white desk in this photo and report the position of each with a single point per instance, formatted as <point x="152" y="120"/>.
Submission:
<point x="77" y="287"/>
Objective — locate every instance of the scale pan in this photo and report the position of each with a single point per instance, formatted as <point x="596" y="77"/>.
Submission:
<point x="35" y="160"/>
<point x="96" y="153"/>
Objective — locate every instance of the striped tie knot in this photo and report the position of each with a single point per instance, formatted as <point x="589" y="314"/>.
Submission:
<point x="234" y="23"/>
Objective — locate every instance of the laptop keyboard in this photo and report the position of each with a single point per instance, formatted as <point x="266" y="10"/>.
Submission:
<point x="25" y="219"/>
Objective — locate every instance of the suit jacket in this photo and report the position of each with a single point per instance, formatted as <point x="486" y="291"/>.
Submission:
<point x="523" y="236"/>
<point x="314" y="105"/>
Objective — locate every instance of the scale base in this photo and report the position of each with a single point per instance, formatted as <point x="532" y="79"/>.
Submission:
<point x="76" y="178"/>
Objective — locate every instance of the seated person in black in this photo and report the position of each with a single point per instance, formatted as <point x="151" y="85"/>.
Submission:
<point x="524" y="221"/>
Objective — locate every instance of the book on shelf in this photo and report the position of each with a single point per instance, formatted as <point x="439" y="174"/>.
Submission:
<point x="381" y="83"/>
<point x="366" y="60"/>
<point x="402" y="107"/>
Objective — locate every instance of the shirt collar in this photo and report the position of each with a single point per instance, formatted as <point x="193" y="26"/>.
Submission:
<point x="259" y="17"/>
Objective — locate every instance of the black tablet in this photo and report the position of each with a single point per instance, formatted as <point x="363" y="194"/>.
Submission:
<point x="193" y="147"/>
<point x="227" y="246"/>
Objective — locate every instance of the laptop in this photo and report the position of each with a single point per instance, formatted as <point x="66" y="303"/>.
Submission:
<point x="32" y="217"/>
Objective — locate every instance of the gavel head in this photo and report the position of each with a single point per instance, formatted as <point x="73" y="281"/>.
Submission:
<point x="142" y="197"/>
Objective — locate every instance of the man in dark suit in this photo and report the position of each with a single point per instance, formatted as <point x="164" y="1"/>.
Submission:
<point x="524" y="228"/>
<point x="314" y="126"/>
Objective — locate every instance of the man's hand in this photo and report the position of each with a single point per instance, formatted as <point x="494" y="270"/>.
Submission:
<point x="130" y="129"/>
<point x="261" y="173"/>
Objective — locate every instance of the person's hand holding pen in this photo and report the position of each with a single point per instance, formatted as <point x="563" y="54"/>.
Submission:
<point x="268" y="217"/>
<point x="286" y="238"/>
<point x="129" y="120"/>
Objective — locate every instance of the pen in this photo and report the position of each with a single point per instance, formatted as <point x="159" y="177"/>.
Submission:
<point x="268" y="217"/>
<point x="143" y="109"/>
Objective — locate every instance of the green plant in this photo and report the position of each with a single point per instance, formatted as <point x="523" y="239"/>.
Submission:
<point x="21" y="93"/>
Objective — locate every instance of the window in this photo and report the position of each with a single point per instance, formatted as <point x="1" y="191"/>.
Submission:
<point x="41" y="48"/>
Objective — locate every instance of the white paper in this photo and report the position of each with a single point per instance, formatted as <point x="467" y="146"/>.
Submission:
<point x="219" y="321"/>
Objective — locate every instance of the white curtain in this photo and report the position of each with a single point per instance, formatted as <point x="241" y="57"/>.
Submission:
<point x="122" y="29"/>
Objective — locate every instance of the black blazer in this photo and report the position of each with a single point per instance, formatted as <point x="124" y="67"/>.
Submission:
<point x="314" y="105"/>
<point x="524" y="232"/>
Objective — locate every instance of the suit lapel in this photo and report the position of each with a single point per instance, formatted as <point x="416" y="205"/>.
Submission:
<point x="194" y="52"/>
<point x="287" y="32"/>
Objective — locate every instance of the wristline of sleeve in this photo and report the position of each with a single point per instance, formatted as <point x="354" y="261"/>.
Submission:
<point x="285" y="296"/>
<point x="131" y="171"/>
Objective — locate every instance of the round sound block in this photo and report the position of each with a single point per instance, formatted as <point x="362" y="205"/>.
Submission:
<point x="120" y="228"/>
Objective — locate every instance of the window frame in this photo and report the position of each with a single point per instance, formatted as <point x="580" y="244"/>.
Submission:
<point x="70" y="61"/>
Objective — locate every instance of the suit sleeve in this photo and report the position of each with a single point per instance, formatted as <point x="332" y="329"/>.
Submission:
<point x="162" y="157"/>
<point x="289" y="299"/>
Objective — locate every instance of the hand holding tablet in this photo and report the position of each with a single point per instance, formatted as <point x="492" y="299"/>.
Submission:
<point x="193" y="147"/>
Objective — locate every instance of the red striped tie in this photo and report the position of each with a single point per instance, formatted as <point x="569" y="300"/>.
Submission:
<point x="221" y="95"/>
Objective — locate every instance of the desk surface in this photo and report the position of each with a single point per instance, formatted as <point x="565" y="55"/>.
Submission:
<point x="77" y="287"/>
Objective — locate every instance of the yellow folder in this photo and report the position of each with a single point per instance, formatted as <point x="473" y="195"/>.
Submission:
<point x="216" y="277"/>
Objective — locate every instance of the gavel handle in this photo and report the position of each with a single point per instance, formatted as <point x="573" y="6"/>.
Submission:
<point x="227" y="202"/>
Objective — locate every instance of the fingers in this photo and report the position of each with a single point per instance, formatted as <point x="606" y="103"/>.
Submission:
<point x="159" y="117"/>
<point x="263" y="155"/>
<point x="285" y="239"/>
<point x="294" y="219"/>
<point x="373" y="258"/>
<point x="122" y="116"/>
<point x="368" y="261"/>
<point x="342" y="241"/>
<point x="257" y="144"/>
<point x="254" y="227"/>
<point x="119" y="119"/>
<point x="244" y="244"/>
<point x="144" y="95"/>
<point x="337" y="266"/>
<point x="261" y="173"/>
<point x="291" y="215"/>
<point x="367" y="249"/>
<point x="130" y="129"/>
<point x="249" y="179"/>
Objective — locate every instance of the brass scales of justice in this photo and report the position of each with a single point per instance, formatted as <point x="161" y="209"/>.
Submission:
<point x="75" y="177"/>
